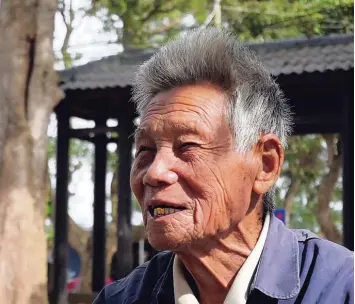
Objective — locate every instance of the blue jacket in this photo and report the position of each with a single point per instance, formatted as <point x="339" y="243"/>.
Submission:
<point x="295" y="267"/>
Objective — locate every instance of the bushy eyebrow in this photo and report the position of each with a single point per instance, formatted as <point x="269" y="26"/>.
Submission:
<point x="184" y="128"/>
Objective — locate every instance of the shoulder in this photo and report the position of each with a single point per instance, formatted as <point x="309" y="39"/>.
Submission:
<point x="326" y="266"/>
<point x="329" y="253"/>
<point x="141" y="280"/>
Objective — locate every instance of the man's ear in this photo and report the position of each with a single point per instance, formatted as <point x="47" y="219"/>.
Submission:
<point x="271" y="158"/>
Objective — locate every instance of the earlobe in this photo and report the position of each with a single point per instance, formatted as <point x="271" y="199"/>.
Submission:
<point x="271" y="157"/>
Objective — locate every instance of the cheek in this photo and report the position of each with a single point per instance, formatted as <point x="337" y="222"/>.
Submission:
<point x="225" y="194"/>
<point x="136" y="181"/>
<point x="209" y="218"/>
<point x="209" y="196"/>
<point x="201" y="172"/>
<point x="238" y="191"/>
<point x="204" y="183"/>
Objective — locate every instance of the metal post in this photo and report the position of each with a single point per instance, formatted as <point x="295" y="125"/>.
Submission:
<point x="59" y="294"/>
<point x="99" y="230"/>
<point x="124" y="229"/>
<point x="141" y="252"/>
<point x="348" y="164"/>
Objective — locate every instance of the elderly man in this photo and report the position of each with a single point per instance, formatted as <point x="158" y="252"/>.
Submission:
<point x="210" y="147"/>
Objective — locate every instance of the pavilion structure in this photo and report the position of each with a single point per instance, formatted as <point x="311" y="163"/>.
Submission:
<point x="316" y="75"/>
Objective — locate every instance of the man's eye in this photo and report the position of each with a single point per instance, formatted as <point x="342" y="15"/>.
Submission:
<point x="188" y="145"/>
<point x="143" y="149"/>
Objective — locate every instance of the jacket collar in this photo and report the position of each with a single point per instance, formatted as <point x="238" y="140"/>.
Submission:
<point x="278" y="272"/>
<point x="277" y="275"/>
<point x="163" y="291"/>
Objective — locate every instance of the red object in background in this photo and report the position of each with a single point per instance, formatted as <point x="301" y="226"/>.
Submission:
<point x="73" y="285"/>
<point x="280" y="213"/>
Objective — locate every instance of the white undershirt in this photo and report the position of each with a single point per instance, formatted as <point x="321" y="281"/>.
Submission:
<point x="238" y="293"/>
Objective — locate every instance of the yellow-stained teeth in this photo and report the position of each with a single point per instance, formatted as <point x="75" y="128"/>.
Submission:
<point x="163" y="211"/>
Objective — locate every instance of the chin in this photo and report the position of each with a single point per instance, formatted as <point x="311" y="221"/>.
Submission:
<point x="163" y="242"/>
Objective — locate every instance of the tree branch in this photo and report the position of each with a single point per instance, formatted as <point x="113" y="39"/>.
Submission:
<point x="69" y="31"/>
<point x="331" y="147"/>
<point x="61" y="8"/>
<point x="71" y="12"/>
<point x="157" y="10"/>
<point x="154" y="11"/>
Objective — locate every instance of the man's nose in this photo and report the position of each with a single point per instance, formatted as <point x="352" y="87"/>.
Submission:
<point x="160" y="171"/>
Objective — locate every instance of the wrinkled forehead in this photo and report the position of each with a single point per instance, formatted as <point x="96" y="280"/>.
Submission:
<point x="169" y="125"/>
<point x="190" y="109"/>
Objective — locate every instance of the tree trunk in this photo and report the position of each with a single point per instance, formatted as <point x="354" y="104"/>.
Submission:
<point x="28" y="93"/>
<point x="325" y="191"/>
<point x="291" y="193"/>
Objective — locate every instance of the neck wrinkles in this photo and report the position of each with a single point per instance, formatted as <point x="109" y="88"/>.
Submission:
<point x="215" y="262"/>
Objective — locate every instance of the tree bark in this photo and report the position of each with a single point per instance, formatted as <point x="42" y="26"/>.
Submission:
<point x="28" y="93"/>
<point x="325" y="191"/>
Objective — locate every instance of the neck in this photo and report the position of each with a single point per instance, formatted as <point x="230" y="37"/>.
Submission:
<point x="215" y="262"/>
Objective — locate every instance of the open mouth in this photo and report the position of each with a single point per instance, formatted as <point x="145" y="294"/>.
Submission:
<point x="162" y="210"/>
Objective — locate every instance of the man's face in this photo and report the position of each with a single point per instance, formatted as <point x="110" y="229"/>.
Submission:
<point x="187" y="176"/>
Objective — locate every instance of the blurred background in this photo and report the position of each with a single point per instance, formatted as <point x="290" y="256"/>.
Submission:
<point x="98" y="45"/>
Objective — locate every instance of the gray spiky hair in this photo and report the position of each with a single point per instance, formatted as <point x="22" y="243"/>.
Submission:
<point x="255" y="103"/>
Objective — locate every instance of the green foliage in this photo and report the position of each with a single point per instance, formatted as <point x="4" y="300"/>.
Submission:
<point x="135" y="204"/>
<point x="68" y="58"/>
<point x="144" y="22"/>
<point x="306" y="162"/>
<point x="79" y="151"/>
<point x="149" y="23"/>
<point x="52" y="147"/>
<point x="305" y="157"/>
<point x="112" y="161"/>
<point x="275" y="19"/>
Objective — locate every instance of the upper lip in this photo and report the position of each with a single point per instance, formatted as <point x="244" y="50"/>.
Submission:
<point x="159" y="202"/>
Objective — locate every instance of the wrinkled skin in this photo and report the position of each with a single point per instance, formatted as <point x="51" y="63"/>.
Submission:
<point x="186" y="155"/>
